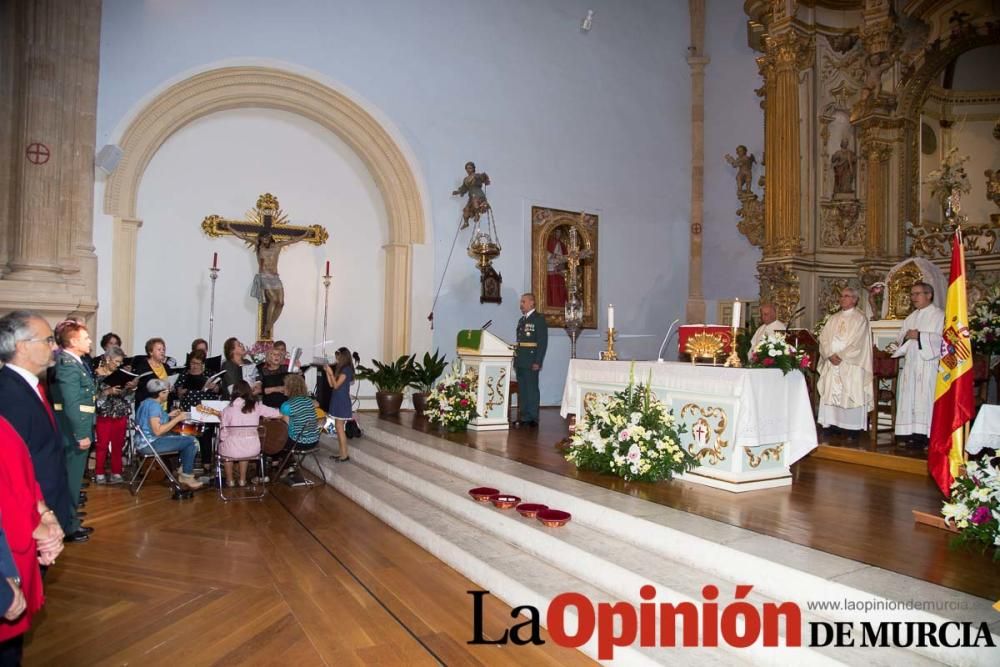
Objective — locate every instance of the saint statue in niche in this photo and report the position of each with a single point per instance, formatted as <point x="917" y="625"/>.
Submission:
<point x="555" y="266"/>
<point x="844" y="163"/>
<point x="472" y="185"/>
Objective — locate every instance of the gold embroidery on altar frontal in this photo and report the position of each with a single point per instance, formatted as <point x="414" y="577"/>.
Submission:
<point x="701" y="433"/>
<point x="769" y="454"/>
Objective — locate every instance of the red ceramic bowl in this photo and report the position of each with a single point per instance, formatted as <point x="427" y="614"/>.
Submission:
<point x="503" y="501"/>
<point x="483" y="493"/>
<point x="530" y="509"/>
<point x="553" y="518"/>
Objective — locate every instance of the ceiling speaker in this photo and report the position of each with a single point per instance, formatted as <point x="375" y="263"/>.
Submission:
<point x="108" y="158"/>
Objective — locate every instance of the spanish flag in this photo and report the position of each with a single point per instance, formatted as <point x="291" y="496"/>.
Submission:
<point x="953" y="401"/>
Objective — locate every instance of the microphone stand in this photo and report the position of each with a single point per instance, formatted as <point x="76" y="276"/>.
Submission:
<point x="670" y="331"/>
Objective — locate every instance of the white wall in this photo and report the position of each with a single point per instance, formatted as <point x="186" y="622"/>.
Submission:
<point x="597" y="121"/>
<point x="220" y="164"/>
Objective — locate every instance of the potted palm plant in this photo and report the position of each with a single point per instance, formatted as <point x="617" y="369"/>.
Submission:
<point x="425" y="374"/>
<point x="390" y="379"/>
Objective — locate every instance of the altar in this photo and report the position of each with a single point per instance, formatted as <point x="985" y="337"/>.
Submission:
<point x="746" y="426"/>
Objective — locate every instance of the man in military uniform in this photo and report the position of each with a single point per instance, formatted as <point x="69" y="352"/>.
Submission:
<point x="532" y="341"/>
<point x="74" y="393"/>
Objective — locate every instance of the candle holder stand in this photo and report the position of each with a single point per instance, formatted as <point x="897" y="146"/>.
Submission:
<point x="213" y="274"/>
<point x="610" y="354"/>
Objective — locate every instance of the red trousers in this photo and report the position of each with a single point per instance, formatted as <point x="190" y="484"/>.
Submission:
<point x="110" y="430"/>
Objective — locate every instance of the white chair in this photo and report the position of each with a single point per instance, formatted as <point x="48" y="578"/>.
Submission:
<point x="220" y="460"/>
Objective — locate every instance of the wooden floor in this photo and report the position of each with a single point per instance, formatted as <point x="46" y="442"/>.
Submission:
<point x="850" y="510"/>
<point x="304" y="578"/>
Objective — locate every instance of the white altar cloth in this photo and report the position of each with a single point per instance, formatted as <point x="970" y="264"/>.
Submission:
<point x="985" y="432"/>
<point x="772" y="408"/>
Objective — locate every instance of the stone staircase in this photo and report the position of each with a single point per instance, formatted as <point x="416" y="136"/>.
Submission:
<point x="616" y="544"/>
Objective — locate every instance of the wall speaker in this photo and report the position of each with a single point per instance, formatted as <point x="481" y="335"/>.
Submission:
<point x="108" y="158"/>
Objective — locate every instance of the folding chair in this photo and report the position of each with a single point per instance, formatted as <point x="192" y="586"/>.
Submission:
<point x="145" y="456"/>
<point x="220" y="460"/>
<point x="277" y="430"/>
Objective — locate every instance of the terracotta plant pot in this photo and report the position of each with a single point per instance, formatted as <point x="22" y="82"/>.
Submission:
<point x="419" y="402"/>
<point x="388" y="402"/>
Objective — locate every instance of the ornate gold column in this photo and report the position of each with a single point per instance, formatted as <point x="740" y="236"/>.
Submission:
<point x="695" y="309"/>
<point x="781" y="144"/>
<point x="877" y="153"/>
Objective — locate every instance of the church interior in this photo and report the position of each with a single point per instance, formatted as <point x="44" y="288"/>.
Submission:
<point x="536" y="256"/>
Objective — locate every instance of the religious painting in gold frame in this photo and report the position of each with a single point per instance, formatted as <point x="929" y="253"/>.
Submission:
<point x="550" y="238"/>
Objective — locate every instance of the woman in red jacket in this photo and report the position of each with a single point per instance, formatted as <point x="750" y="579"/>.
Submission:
<point x="32" y="533"/>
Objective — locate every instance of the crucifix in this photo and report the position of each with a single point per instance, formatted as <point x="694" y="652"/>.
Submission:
<point x="267" y="231"/>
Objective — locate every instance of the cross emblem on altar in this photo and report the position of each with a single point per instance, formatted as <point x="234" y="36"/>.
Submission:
<point x="700" y="433"/>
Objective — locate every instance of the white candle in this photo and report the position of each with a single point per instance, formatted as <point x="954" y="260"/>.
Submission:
<point x="611" y="316"/>
<point x="736" y="314"/>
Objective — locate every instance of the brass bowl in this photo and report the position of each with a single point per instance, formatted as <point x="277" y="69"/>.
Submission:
<point x="553" y="518"/>
<point x="529" y="510"/>
<point x="503" y="501"/>
<point x="483" y="494"/>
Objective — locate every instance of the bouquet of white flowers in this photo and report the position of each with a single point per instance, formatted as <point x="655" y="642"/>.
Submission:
<point x="975" y="506"/>
<point x="452" y="402"/>
<point x="631" y="434"/>
<point x="984" y="323"/>
<point x="775" y="352"/>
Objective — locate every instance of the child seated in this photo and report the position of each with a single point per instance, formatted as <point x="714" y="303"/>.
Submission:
<point x="238" y="438"/>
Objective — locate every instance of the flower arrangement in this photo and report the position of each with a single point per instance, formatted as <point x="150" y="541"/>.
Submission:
<point x="632" y="434"/>
<point x="452" y="402"/>
<point x="975" y="506"/>
<point x="258" y="352"/>
<point x="950" y="177"/>
<point x="774" y="351"/>
<point x="984" y="323"/>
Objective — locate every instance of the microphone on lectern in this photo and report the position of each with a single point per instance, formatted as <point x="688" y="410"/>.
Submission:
<point x="670" y="332"/>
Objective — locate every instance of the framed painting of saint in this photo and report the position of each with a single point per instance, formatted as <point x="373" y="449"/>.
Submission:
<point x="551" y="258"/>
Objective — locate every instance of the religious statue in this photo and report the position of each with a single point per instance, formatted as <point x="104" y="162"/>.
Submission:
<point x="472" y="185"/>
<point x="555" y="266"/>
<point x="993" y="185"/>
<point x="267" y="232"/>
<point x="743" y="163"/>
<point x="844" y="163"/>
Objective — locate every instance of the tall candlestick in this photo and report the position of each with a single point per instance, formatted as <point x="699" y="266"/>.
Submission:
<point x="326" y="303"/>
<point x="737" y="321"/>
<point x="213" y="274"/>
<point x="611" y="316"/>
<point x="215" y="260"/>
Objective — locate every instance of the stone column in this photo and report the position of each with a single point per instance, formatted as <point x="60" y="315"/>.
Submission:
<point x="7" y="53"/>
<point x="50" y="112"/>
<point x="398" y="267"/>
<point x="124" y="239"/>
<point x="695" y="309"/>
<point x="781" y="146"/>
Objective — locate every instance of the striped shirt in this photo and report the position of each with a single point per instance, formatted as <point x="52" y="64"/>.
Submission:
<point x="302" y="423"/>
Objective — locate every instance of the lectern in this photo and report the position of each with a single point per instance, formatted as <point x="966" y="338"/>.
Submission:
<point x="491" y="358"/>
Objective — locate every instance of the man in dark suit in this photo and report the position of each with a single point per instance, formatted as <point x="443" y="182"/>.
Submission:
<point x="532" y="341"/>
<point x="26" y="349"/>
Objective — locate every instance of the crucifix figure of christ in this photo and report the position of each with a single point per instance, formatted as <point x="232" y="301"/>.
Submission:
<point x="265" y="229"/>
<point x="574" y="256"/>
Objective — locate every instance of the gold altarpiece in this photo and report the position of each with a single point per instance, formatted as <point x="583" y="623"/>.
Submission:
<point x="844" y="83"/>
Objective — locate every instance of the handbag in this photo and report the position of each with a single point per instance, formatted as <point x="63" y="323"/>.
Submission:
<point x="351" y="429"/>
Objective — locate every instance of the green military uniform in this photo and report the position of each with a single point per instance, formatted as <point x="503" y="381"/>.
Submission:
<point x="532" y="341"/>
<point x="74" y="394"/>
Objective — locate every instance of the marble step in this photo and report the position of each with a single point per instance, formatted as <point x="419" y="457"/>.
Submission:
<point x="597" y="558"/>
<point x="514" y="576"/>
<point x="696" y="543"/>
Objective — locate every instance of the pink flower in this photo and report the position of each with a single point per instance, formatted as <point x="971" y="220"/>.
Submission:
<point x="463" y="386"/>
<point x="981" y="515"/>
<point x="753" y="356"/>
<point x="768" y="361"/>
<point x="805" y="362"/>
<point x="464" y="402"/>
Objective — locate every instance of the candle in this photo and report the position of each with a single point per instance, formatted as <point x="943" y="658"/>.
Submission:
<point x="611" y="316"/>
<point x="736" y="314"/>
<point x="215" y="260"/>
<point x="327" y="274"/>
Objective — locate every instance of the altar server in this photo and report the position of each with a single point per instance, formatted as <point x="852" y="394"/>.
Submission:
<point x="845" y="367"/>
<point x="770" y="324"/>
<point x="919" y="341"/>
<point x="532" y="341"/>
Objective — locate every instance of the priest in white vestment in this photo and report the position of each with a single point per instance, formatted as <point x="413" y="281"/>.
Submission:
<point x="845" y="367"/>
<point x="919" y="343"/>
<point x="771" y="323"/>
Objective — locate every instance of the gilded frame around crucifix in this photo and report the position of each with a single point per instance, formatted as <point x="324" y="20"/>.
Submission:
<point x="549" y="227"/>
